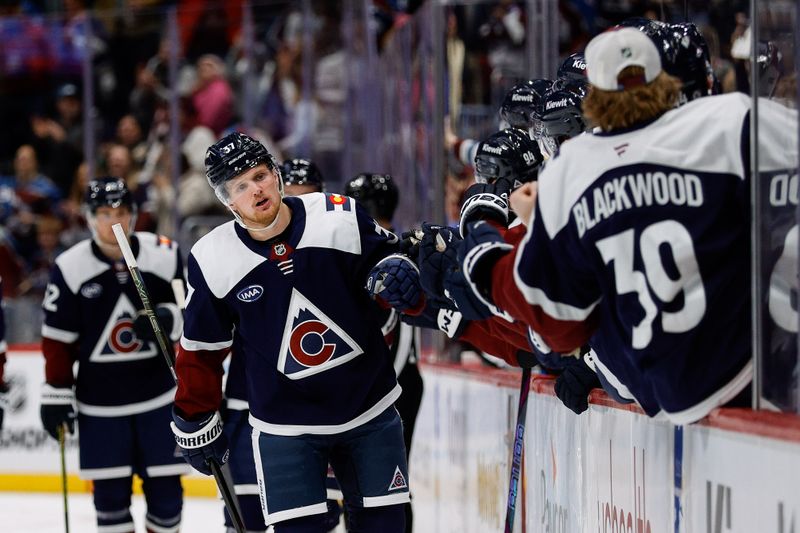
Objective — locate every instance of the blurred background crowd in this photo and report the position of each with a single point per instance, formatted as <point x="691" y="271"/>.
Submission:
<point x="140" y="88"/>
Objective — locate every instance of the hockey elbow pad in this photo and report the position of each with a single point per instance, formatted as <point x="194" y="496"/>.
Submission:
<point x="201" y="441"/>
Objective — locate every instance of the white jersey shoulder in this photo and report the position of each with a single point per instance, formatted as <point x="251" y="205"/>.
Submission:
<point x="704" y="135"/>
<point x="335" y="229"/>
<point x="224" y="259"/>
<point x="78" y="264"/>
<point x="156" y="256"/>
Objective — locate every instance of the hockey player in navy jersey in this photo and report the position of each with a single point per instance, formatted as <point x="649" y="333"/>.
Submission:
<point x="284" y="286"/>
<point x="300" y="176"/>
<point x="640" y="245"/>
<point x="123" y="392"/>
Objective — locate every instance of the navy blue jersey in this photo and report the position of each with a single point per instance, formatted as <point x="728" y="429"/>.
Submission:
<point x="296" y="309"/>
<point x="645" y="244"/>
<point x="89" y="306"/>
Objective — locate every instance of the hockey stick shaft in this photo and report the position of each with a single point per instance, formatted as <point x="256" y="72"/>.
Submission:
<point x="519" y="443"/>
<point x="62" y="431"/>
<point x="223" y="484"/>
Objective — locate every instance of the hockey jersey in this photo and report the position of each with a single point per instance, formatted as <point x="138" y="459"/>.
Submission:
<point x="295" y="307"/>
<point x="89" y="307"/>
<point x="645" y="244"/>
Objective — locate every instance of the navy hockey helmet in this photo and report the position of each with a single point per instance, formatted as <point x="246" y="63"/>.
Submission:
<point x="561" y="117"/>
<point x="302" y="172"/>
<point x="573" y="68"/>
<point x="520" y="102"/>
<point x="107" y="191"/>
<point x="233" y="155"/>
<point x="508" y="154"/>
<point x="376" y="192"/>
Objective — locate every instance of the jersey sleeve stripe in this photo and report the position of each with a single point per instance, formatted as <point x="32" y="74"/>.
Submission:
<point x="196" y="346"/>
<point x="237" y="405"/>
<point x="67" y="337"/>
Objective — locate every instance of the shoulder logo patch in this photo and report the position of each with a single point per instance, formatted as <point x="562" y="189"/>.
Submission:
<point x="398" y="480"/>
<point x="312" y="342"/>
<point x="251" y="293"/>
<point x="118" y="343"/>
<point x="337" y="202"/>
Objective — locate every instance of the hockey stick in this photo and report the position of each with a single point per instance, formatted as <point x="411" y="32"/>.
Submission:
<point x="62" y="430"/>
<point x="223" y="482"/>
<point x="516" y="463"/>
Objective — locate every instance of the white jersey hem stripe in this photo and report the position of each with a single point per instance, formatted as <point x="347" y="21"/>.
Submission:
<point x="293" y="431"/>
<point x="297" y="512"/>
<point x="237" y="405"/>
<point x="390" y="499"/>
<point x="196" y="346"/>
<point x="128" y="409"/>
<point x="168" y="470"/>
<point x="246" y="490"/>
<point x="60" y="335"/>
<point x="334" y="494"/>
<point x="721" y="397"/>
<point x="106" y="473"/>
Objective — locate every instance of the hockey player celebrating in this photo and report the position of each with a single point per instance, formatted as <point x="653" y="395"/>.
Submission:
<point x="123" y="390"/>
<point x="283" y="285"/>
<point x="640" y="244"/>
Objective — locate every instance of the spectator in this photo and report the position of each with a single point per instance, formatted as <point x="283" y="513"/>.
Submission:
<point x="35" y="190"/>
<point x="129" y="134"/>
<point x="213" y="97"/>
<point x="48" y="230"/>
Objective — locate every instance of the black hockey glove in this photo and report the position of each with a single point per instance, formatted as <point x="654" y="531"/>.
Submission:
<point x="4" y="401"/>
<point x="483" y="202"/>
<point x="438" y="255"/>
<point x="57" y="409"/>
<point x="574" y="385"/>
<point x="143" y="329"/>
<point x="201" y="441"/>
<point x="526" y="359"/>
<point x="395" y="279"/>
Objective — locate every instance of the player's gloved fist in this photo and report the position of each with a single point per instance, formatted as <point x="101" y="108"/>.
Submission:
<point x="395" y="280"/>
<point x="409" y="243"/>
<point x="4" y="401"/>
<point x="201" y="441"/>
<point x="57" y="409"/>
<point x="468" y="303"/>
<point x="438" y="254"/>
<point x="144" y="330"/>
<point x="574" y="385"/>
<point x="526" y="359"/>
<point x="484" y="202"/>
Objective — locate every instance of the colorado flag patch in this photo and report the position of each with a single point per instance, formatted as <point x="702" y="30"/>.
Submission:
<point x="312" y="342"/>
<point x="337" y="202"/>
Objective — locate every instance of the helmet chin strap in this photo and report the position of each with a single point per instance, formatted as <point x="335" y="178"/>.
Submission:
<point x="249" y="228"/>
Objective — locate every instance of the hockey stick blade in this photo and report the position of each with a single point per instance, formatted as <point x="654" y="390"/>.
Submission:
<point x="519" y="442"/>
<point x="224" y="485"/>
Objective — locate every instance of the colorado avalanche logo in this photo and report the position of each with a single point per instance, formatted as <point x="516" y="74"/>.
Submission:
<point x="312" y="342"/>
<point x="118" y="342"/>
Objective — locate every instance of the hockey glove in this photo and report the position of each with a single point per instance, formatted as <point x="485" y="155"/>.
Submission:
<point x="395" y="280"/>
<point x="574" y="385"/>
<point x="478" y="253"/>
<point x="438" y="255"/>
<point x="201" y="441"/>
<point x="57" y="408"/>
<point x="144" y="330"/>
<point x="526" y="359"/>
<point x="4" y="401"/>
<point x="484" y="202"/>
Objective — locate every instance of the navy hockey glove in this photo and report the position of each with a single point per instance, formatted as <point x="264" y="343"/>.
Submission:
<point x="480" y="250"/>
<point x="395" y="279"/>
<point x="526" y="359"/>
<point x="201" y="441"/>
<point x="57" y="408"/>
<point x="574" y="385"/>
<point x="438" y="255"/>
<point x="484" y="202"/>
<point x="166" y="320"/>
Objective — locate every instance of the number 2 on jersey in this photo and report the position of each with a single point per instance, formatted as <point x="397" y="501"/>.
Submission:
<point x="666" y="286"/>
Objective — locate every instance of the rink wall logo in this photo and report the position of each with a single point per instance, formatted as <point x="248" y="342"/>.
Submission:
<point x="612" y="517"/>
<point x="251" y="293"/>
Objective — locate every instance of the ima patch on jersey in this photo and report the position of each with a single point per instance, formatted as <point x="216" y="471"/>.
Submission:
<point x="118" y="342"/>
<point x="312" y="342"/>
